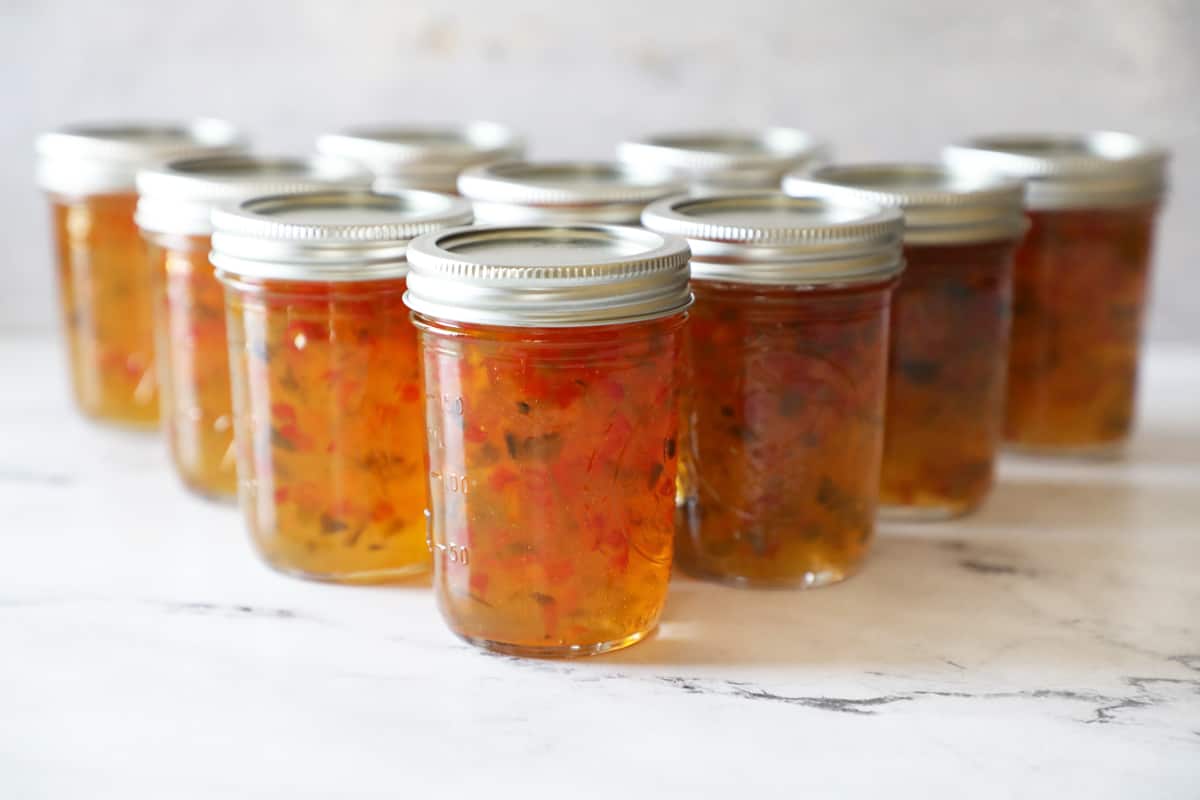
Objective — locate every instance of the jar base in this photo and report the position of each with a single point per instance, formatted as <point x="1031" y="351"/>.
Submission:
<point x="1099" y="451"/>
<point x="206" y="493"/>
<point x="369" y="578"/>
<point x="809" y="580"/>
<point x="571" y="651"/>
<point x="898" y="513"/>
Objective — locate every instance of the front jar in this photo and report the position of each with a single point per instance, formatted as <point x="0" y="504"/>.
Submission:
<point x="1079" y="285"/>
<point x="176" y="201"/>
<point x="325" y="379"/>
<point x="552" y="430"/>
<point x="949" y="328"/>
<point x="789" y="344"/>
<point x="103" y="275"/>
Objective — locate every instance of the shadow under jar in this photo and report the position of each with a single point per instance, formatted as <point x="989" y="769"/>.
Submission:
<point x="727" y="160"/>
<point x="326" y="378"/>
<point x="174" y="209"/>
<point x="1079" y="286"/>
<point x="789" y="342"/>
<point x="949" y="329"/>
<point x="552" y="370"/>
<point x="89" y="173"/>
<point x="428" y="157"/>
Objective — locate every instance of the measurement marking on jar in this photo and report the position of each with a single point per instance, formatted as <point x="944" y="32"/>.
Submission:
<point x="451" y="404"/>
<point x="454" y="483"/>
<point x="455" y="553"/>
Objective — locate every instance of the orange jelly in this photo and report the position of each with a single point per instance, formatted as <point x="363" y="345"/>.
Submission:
<point x="1079" y="287"/>
<point x="950" y="324"/>
<point x="193" y="364"/>
<point x="1080" y="298"/>
<point x="193" y="355"/>
<point x="326" y="378"/>
<point x="104" y="287"/>
<point x="789" y="344"/>
<point x="787" y="421"/>
<point x="552" y="372"/>
<point x="104" y="278"/>
<point x="949" y="328"/>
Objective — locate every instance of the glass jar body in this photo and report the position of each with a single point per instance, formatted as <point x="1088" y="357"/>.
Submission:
<point x="327" y="419"/>
<point x="949" y="349"/>
<point x="104" y="291"/>
<point x="552" y="458"/>
<point x="1079" y="294"/>
<point x="786" y="431"/>
<point x="193" y="364"/>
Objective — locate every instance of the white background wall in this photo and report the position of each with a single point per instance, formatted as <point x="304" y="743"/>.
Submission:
<point x="882" y="79"/>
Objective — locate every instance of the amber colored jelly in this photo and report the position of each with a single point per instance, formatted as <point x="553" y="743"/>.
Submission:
<point x="1079" y="298"/>
<point x="552" y="457"/>
<point x="786" y="431"/>
<point x="107" y="308"/>
<point x="328" y="418"/>
<point x="945" y="397"/>
<point x="193" y="363"/>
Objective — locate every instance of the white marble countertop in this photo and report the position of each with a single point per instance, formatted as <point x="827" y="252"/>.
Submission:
<point x="1049" y="646"/>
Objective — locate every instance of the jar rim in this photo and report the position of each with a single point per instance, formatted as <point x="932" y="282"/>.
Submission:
<point x="538" y="275"/>
<point x="566" y="183"/>
<point x="941" y="204"/>
<point x="179" y="196"/>
<point x="724" y="148"/>
<point x="773" y="238"/>
<point x="330" y="235"/>
<point x="104" y="157"/>
<point x="423" y="149"/>
<point x="1071" y="170"/>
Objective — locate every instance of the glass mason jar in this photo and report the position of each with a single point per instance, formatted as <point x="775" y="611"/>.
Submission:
<point x="727" y="160"/>
<point x="519" y="192"/>
<point x="426" y="157"/>
<point x="552" y="369"/>
<point x="174" y="209"/>
<point x="88" y="173"/>
<point x="950" y="324"/>
<point x="1080" y="283"/>
<point x="789" y="344"/>
<point x="326" y="378"/>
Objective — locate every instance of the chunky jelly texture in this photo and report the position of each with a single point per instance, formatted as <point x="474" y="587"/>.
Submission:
<point x="329" y="427"/>
<point x="1079" y="298"/>
<point x="552" y="458"/>
<point x="193" y="367"/>
<point x="786" y="431"/>
<point x="945" y="398"/>
<point x="104" y="284"/>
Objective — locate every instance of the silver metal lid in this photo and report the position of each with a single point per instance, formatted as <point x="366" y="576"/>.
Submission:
<point x="179" y="197"/>
<point x="941" y="205"/>
<point x="548" y="276"/>
<point x="1086" y="170"/>
<point x="423" y="156"/>
<point x="728" y="160"/>
<point x="105" y="158"/>
<point x="771" y="238"/>
<point x="330" y="235"/>
<point x="516" y="192"/>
